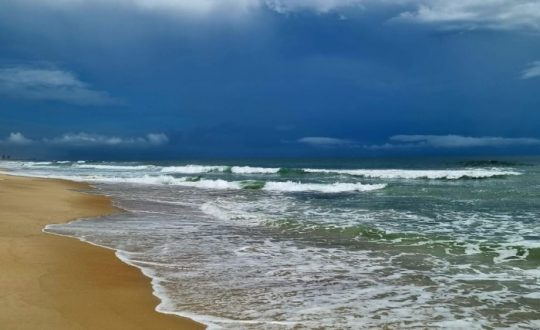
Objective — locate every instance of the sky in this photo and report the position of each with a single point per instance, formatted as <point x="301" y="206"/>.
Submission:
<point x="175" y="79"/>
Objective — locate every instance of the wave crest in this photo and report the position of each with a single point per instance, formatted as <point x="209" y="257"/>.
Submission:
<point x="194" y="169"/>
<point x="419" y="174"/>
<point x="274" y="186"/>
<point x="336" y="187"/>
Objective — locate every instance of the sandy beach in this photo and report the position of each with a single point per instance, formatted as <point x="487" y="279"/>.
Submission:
<point x="54" y="282"/>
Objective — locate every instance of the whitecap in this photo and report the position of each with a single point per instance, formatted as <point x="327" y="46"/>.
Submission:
<point x="336" y="187"/>
<point x="418" y="174"/>
<point x="194" y="169"/>
<point x="254" y="170"/>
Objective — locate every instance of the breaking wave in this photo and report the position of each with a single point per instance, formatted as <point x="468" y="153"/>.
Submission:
<point x="114" y="167"/>
<point x="336" y="187"/>
<point x="254" y="170"/>
<point x="419" y="174"/>
<point x="471" y="172"/>
<point x="200" y="169"/>
<point x="277" y="186"/>
<point x="194" y="169"/>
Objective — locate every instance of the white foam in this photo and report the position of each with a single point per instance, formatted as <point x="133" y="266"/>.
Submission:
<point x="276" y="186"/>
<point x="471" y="249"/>
<point x="35" y="164"/>
<point x="287" y="186"/>
<point x="165" y="180"/>
<point x="337" y="187"/>
<point x="468" y="323"/>
<point x="418" y="174"/>
<point x="113" y="167"/>
<point x="505" y="255"/>
<point x="199" y="169"/>
<point x="254" y="170"/>
<point x="211" y="184"/>
<point x="194" y="169"/>
<point x="533" y="295"/>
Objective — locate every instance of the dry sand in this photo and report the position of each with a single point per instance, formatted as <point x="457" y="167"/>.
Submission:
<point x="54" y="282"/>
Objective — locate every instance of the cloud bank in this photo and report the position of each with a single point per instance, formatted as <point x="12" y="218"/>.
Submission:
<point x="323" y="141"/>
<point x="473" y="14"/>
<point x="466" y="14"/>
<point x="90" y="140"/>
<point x="403" y="141"/>
<point x="46" y="84"/>
<point x="452" y="141"/>
<point x="205" y="7"/>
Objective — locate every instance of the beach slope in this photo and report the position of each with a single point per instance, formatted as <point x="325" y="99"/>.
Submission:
<point x="54" y="282"/>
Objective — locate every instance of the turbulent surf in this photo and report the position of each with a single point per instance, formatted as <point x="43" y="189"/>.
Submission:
<point x="351" y="244"/>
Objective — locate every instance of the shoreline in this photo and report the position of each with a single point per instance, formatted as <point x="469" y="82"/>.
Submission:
<point x="53" y="281"/>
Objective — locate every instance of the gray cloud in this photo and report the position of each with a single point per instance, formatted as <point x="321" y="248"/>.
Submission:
<point x="320" y="6"/>
<point x="452" y="141"/>
<point x="49" y="84"/>
<point x="87" y="139"/>
<point x="323" y="141"/>
<point x="532" y="71"/>
<point x="17" y="138"/>
<point x="472" y="14"/>
<point x="204" y="8"/>
<point x="191" y="7"/>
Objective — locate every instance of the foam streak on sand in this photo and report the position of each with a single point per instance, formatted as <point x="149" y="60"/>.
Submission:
<point x="52" y="282"/>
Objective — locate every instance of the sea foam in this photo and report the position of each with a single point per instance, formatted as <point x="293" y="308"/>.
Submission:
<point x="388" y="174"/>
<point x="418" y="174"/>
<point x="336" y="187"/>
<point x="114" y="167"/>
<point x="194" y="169"/>
<point x="277" y="186"/>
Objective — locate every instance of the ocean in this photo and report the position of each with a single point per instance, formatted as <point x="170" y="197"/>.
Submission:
<point x="444" y="243"/>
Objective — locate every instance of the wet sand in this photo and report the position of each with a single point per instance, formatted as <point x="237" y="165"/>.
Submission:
<point x="54" y="282"/>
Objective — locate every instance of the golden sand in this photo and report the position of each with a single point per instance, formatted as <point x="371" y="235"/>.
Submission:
<point x="54" y="282"/>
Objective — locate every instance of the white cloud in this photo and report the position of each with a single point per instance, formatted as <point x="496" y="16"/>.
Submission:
<point x="323" y="141"/>
<point x="320" y="6"/>
<point x="471" y="14"/>
<point x="532" y="71"/>
<point x="157" y="138"/>
<point x="197" y="6"/>
<point x="452" y="141"/>
<point x="207" y="7"/>
<point x="86" y="139"/>
<point x="49" y="84"/>
<point x="191" y="7"/>
<point x="17" y="138"/>
<point x="461" y="14"/>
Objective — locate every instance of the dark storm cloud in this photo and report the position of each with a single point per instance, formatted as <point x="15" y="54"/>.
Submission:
<point x="221" y="76"/>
